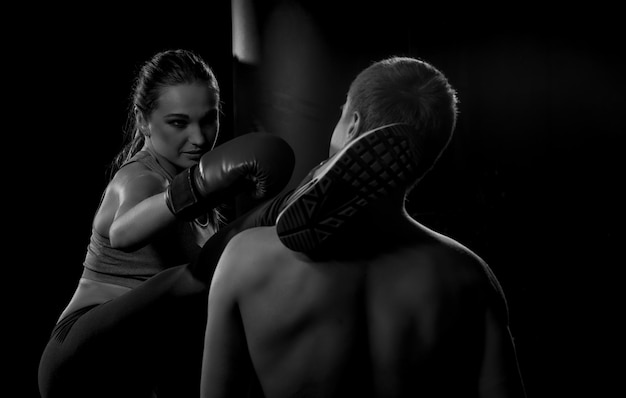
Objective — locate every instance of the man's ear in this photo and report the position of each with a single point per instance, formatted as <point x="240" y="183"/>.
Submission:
<point x="355" y="126"/>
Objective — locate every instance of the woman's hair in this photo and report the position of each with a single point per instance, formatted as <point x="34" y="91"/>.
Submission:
<point x="411" y="91"/>
<point x="165" y="69"/>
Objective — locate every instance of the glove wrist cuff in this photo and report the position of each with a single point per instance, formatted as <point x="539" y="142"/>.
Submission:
<point x="181" y="196"/>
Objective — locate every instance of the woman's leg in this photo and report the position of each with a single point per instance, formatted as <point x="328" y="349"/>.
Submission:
<point x="146" y="341"/>
<point x="263" y="214"/>
<point x="150" y="339"/>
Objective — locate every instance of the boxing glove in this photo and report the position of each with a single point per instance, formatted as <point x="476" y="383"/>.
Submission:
<point x="258" y="163"/>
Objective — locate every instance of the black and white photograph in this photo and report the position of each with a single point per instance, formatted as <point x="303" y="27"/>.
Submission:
<point x="297" y="198"/>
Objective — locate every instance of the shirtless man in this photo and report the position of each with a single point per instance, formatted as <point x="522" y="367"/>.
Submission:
<point x="385" y="307"/>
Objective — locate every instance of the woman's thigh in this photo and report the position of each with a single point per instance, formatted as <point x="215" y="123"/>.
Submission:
<point x="149" y="339"/>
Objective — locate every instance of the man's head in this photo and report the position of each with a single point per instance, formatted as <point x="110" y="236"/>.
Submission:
<point x="400" y="90"/>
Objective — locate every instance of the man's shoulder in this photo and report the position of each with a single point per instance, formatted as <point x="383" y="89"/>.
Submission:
<point x="256" y="237"/>
<point x="251" y="260"/>
<point x="252" y="248"/>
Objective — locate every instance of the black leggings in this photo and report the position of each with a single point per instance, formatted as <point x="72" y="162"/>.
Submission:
<point x="147" y="342"/>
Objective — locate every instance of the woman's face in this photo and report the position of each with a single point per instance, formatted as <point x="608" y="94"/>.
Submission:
<point x="185" y="124"/>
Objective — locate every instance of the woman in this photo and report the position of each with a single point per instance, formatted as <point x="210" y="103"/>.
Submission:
<point x="136" y="319"/>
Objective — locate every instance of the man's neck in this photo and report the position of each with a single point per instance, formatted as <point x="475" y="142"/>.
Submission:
<point x="386" y="210"/>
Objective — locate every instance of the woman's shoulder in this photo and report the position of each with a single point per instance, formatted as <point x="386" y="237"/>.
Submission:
<point x="136" y="175"/>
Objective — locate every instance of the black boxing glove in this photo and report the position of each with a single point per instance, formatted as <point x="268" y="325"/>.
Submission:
<point x="258" y="163"/>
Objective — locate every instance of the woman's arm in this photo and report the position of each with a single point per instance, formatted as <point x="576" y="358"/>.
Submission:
<point x="141" y="210"/>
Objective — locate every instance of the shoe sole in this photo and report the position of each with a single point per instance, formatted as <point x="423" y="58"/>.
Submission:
<point x="371" y="167"/>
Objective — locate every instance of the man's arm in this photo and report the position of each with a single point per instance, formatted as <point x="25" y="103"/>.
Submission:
<point x="226" y="367"/>
<point x="500" y="374"/>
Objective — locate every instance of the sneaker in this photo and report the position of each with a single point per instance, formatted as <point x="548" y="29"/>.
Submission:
<point x="368" y="168"/>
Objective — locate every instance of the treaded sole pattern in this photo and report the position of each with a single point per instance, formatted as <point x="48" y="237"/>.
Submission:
<point x="371" y="167"/>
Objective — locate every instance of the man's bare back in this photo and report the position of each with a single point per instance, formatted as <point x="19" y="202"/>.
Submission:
<point x="413" y="313"/>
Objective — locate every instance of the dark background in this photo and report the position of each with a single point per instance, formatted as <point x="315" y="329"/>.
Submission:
<point x="530" y="181"/>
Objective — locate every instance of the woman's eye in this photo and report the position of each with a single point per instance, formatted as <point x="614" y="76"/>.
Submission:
<point x="178" y="123"/>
